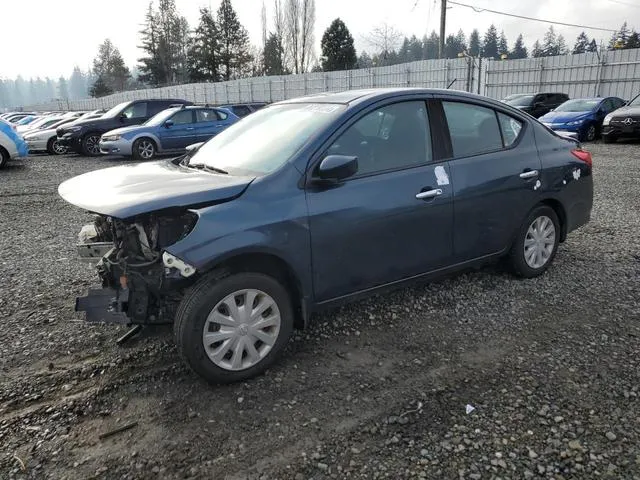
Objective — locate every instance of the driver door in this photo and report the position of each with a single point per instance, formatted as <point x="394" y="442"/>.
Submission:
<point x="381" y="225"/>
<point x="181" y="133"/>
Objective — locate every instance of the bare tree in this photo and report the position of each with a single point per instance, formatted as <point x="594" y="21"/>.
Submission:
<point x="280" y="27"/>
<point x="308" y="21"/>
<point x="299" y="23"/>
<point x="263" y="19"/>
<point x="384" y="39"/>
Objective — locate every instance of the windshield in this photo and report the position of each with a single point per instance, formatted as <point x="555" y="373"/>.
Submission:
<point x="578" y="106"/>
<point x="49" y="122"/>
<point x="522" y="101"/>
<point x="115" y="110"/>
<point x="26" y="120"/>
<point x="266" y="139"/>
<point x="160" y="118"/>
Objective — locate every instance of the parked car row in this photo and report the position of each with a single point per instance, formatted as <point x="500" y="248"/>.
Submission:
<point x="582" y="118"/>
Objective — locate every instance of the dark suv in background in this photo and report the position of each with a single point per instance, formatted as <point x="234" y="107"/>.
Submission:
<point x="84" y="137"/>
<point x="244" y="109"/>
<point x="537" y="104"/>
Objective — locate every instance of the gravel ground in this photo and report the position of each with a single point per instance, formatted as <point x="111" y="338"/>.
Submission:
<point x="378" y="389"/>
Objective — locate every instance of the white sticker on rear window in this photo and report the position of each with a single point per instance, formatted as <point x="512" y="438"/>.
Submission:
<point x="441" y="175"/>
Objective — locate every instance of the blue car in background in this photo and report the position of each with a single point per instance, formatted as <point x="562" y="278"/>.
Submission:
<point x="11" y="144"/>
<point x="170" y="131"/>
<point x="582" y="116"/>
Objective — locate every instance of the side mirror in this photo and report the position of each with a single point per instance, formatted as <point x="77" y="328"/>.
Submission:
<point x="337" y="167"/>
<point x="193" y="148"/>
<point x="168" y="124"/>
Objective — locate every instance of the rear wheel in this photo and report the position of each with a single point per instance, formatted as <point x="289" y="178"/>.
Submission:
<point x="231" y="328"/>
<point x="537" y="243"/>
<point x="91" y="144"/>
<point x="144" y="149"/>
<point x="54" y="147"/>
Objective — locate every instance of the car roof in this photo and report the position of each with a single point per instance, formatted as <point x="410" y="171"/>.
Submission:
<point x="352" y="97"/>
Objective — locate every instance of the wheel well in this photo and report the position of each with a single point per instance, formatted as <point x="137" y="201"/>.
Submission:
<point x="144" y="137"/>
<point x="275" y="267"/>
<point x="5" y="153"/>
<point x="562" y="216"/>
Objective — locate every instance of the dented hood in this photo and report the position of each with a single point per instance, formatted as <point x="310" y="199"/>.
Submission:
<point x="130" y="190"/>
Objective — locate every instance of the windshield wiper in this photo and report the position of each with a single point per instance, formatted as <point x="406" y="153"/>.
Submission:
<point x="215" y="169"/>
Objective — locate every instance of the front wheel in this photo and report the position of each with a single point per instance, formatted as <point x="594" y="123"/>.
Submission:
<point x="537" y="243"/>
<point x="54" y="147"/>
<point x="4" y="157"/>
<point x="144" y="149"/>
<point x="590" y="133"/>
<point x="232" y="328"/>
<point x="91" y="144"/>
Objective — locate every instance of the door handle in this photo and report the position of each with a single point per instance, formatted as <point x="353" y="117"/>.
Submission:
<point x="429" y="194"/>
<point x="529" y="174"/>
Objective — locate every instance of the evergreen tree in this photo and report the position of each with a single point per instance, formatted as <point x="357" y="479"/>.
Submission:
<point x="633" y="41"/>
<point x="234" y="42"/>
<point x="109" y="65"/>
<point x="49" y="91"/>
<point x="474" y="43"/>
<point x="582" y="42"/>
<point x="619" y="38"/>
<point x="19" y="91"/>
<point x="204" y="54"/>
<point x="537" y="50"/>
<point x="338" y="52"/>
<point x="553" y="44"/>
<point x="454" y="44"/>
<point x="32" y="96"/>
<point x="63" y="90"/>
<point x="365" y="60"/>
<point x="503" y="45"/>
<point x="165" y="41"/>
<point x="77" y="85"/>
<point x="274" y="56"/>
<point x="593" y="46"/>
<point x="519" y="50"/>
<point x="490" y="43"/>
<point x="431" y="46"/>
<point x="403" y="53"/>
<point x="100" y="88"/>
<point x="415" y="49"/>
<point x="561" y="46"/>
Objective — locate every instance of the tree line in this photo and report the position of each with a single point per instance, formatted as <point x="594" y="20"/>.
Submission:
<point x="218" y="48"/>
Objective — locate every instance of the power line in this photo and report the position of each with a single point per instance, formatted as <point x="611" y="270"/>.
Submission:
<point x="480" y="10"/>
<point x="625" y="3"/>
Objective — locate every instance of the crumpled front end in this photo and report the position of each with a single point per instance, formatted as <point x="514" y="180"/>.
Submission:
<point x="141" y="283"/>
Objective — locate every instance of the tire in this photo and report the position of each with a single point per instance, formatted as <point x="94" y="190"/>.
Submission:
<point x="54" y="147"/>
<point x="590" y="133"/>
<point x="91" y="144"/>
<point x="4" y="157"/>
<point x="212" y="294"/>
<point x="521" y="263"/>
<point x="144" y="149"/>
<point x="609" y="139"/>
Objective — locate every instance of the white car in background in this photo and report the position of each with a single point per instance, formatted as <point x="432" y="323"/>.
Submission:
<point x="43" y="122"/>
<point x="46" y="139"/>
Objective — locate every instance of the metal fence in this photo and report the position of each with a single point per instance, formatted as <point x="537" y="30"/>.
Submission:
<point x="615" y="73"/>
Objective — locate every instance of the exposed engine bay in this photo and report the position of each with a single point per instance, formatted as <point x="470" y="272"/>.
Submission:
<point x="141" y="283"/>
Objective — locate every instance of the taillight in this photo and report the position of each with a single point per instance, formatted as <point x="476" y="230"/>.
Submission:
<point x="582" y="155"/>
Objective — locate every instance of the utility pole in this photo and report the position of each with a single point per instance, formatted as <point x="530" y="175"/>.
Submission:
<point x="443" y="21"/>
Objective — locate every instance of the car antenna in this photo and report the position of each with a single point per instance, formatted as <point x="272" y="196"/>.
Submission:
<point x="452" y="82"/>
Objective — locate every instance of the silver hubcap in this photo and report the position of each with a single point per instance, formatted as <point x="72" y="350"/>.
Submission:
<point x="241" y="329"/>
<point x="539" y="242"/>
<point x="92" y="144"/>
<point x="59" y="149"/>
<point x="145" y="149"/>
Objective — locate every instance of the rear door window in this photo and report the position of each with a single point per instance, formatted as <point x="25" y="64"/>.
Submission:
<point x="137" y="110"/>
<point x="511" y="128"/>
<point x="473" y="129"/>
<point x="206" y="115"/>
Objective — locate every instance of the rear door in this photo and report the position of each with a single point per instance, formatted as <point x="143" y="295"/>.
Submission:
<point x="494" y="172"/>
<point x="181" y="134"/>
<point x="210" y="122"/>
<point x="393" y="219"/>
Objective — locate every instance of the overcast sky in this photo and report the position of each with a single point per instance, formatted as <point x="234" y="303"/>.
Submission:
<point x="47" y="38"/>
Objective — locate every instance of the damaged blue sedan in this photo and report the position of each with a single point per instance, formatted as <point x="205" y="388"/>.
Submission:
<point x="312" y="202"/>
